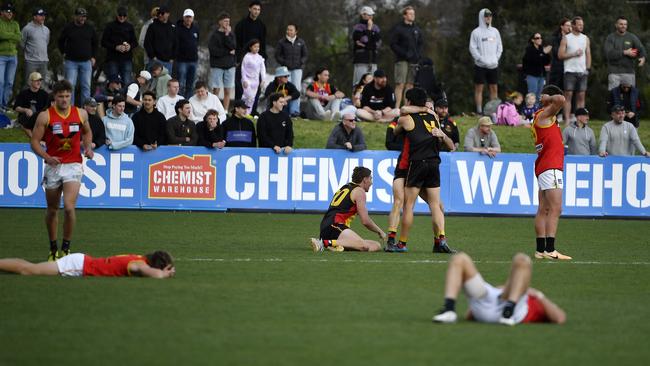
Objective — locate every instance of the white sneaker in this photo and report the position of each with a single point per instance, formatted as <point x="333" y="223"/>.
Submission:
<point x="317" y="245"/>
<point x="446" y="317"/>
<point x="336" y="116"/>
<point x="327" y="116"/>
<point x="507" y="321"/>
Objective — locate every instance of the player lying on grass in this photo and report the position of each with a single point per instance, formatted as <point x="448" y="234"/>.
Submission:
<point x="349" y="200"/>
<point x="158" y="264"/>
<point x="513" y="303"/>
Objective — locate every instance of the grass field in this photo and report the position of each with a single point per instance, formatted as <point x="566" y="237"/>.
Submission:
<point x="249" y="291"/>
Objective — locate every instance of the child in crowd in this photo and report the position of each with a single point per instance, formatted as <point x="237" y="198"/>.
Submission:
<point x="530" y="108"/>
<point x="507" y="113"/>
<point x="252" y="71"/>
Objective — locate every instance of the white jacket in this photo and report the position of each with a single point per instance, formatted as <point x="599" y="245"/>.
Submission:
<point x="485" y="44"/>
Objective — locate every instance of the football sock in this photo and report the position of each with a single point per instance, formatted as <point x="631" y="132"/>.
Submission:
<point x="53" y="246"/>
<point x="392" y="234"/>
<point x="508" y="309"/>
<point x="65" y="245"/>
<point x="541" y="244"/>
<point x="550" y="244"/>
<point x="441" y="234"/>
<point x="328" y="243"/>
<point x="450" y="304"/>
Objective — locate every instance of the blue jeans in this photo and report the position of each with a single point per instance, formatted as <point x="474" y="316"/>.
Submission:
<point x="83" y="70"/>
<point x="7" y="76"/>
<point x="535" y="85"/>
<point x="186" y="76"/>
<point x="122" y="68"/>
<point x="296" y="79"/>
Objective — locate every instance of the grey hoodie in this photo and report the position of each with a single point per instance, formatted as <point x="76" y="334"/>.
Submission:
<point x="580" y="141"/>
<point x="485" y="44"/>
<point x="119" y="130"/>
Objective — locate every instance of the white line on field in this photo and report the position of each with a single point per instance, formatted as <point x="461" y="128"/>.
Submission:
<point x="416" y="261"/>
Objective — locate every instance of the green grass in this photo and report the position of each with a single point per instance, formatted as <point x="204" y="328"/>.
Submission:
<point x="249" y="291"/>
<point x="313" y="134"/>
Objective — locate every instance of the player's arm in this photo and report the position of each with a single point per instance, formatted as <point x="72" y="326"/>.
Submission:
<point x="407" y="109"/>
<point x="142" y="269"/>
<point x="37" y="136"/>
<point x="86" y="134"/>
<point x="404" y="123"/>
<point x="358" y="196"/>
<point x="554" y="313"/>
<point x="556" y="103"/>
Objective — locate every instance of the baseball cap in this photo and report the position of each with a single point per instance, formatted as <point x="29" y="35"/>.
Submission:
<point x="35" y="76"/>
<point x="441" y="103"/>
<point x="239" y="104"/>
<point x="618" y="108"/>
<point x="115" y="79"/>
<point x="39" y="11"/>
<point x="122" y="11"/>
<point x="188" y="13"/>
<point x="581" y="112"/>
<point x="163" y="10"/>
<point x="8" y="7"/>
<point x="485" y="121"/>
<point x="487" y="13"/>
<point x="81" y="12"/>
<point x="379" y="73"/>
<point x="145" y="74"/>
<point x="366" y="10"/>
<point x="91" y="102"/>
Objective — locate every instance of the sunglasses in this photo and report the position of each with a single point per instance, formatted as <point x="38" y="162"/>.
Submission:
<point x="349" y="120"/>
<point x="537" y="37"/>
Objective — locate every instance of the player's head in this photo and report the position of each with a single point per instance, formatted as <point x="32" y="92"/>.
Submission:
<point x="416" y="96"/>
<point x="159" y="259"/>
<point x="62" y="92"/>
<point x="363" y="177"/>
<point x="550" y="90"/>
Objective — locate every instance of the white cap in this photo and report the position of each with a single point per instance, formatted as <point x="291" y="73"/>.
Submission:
<point x="188" y="13"/>
<point x="366" y="10"/>
<point x="145" y="74"/>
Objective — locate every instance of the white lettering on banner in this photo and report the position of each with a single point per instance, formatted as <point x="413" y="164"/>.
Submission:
<point x="231" y="177"/>
<point x="13" y="167"/>
<point x="117" y="174"/>
<point x="181" y="177"/>
<point x="572" y="184"/>
<point x="90" y="174"/>
<point x="281" y="177"/>
<point x="384" y="173"/>
<point x="479" y="175"/>
<point x="615" y="184"/>
<point x="327" y="174"/>
<point x="515" y="173"/>
<point x="298" y="178"/>
<point x="2" y="173"/>
<point x="632" y="177"/>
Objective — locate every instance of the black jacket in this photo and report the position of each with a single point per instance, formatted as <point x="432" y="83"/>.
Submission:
<point x="160" y="41"/>
<point x="239" y="132"/>
<point x="292" y="55"/>
<point x="188" y="42"/>
<point x="287" y="89"/>
<point x="407" y="42"/>
<point x="246" y="30"/>
<point x="178" y="130"/>
<point x="370" y="38"/>
<point x="115" y="34"/>
<point x="78" y="43"/>
<point x="220" y="46"/>
<point x="207" y="137"/>
<point x="98" y="129"/>
<point x="394" y="142"/>
<point x="534" y="60"/>
<point x="274" y="129"/>
<point x="150" y="128"/>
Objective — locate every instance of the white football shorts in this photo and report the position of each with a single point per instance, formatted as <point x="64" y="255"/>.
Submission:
<point x="489" y="308"/>
<point x="72" y="265"/>
<point x="55" y="176"/>
<point x="550" y="179"/>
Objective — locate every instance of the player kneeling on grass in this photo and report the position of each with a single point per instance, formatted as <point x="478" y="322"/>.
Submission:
<point x="335" y="232"/>
<point x="158" y="264"/>
<point x="513" y="303"/>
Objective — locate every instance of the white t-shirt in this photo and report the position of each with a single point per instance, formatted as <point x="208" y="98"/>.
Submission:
<point x="201" y="106"/>
<point x="573" y="43"/>
<point x="166" y="105"/>
<point x="132" y="90"/>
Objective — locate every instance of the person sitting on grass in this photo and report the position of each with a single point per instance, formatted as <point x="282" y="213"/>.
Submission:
<point x="158" y="264"/>
<point x="513" y="303"/>
<point x="378" y="100"/>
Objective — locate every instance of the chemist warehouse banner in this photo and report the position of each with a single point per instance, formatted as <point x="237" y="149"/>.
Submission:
<point x="196" y="178"/>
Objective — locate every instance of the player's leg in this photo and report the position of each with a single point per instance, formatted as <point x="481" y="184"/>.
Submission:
<point x="394" y="216"/>
<point x="23" y="267"/>
<point x="53" y="200"/>
<point x="554" y="203"/>
<point x="352" y="241"/>
<point x="437" y="221"/>
<point x="516" y="286"/>
<point x="540" y="225"/>
<point x="410" y="196"/>
<point x="461" y="272"/>
<point x="70" y="195"/>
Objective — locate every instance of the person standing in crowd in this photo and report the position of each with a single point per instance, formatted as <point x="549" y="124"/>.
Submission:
<point x="281" y="84"/>
<point x="30" y="102"/>
<point x="10" y="37"/>
<point x="324" y="99"/>
<point x="346" y="135"/>
<point x="482" y="139"/>
<point x="96" y="124"/>
<point x="253" y="71"/>
<point x="238" y="130"/>
<point x="622" y="49"/>
<point x="627" y="96"/>
<point x="119" y="127"/>
<point x="407" y="44"/>
<point x="222" y="47"/>
<point x="187" y="53"/>
<point x="378" y="100"/>
<point x="575" y="50"/>
<point x="447" y="125"/>
<point x="203" y="101"/>
<point x="35" y="38"/>
<point x="556" y="75"/>
<point x="78" y="45"/>
<point x="485" y="47"/>
<point x="143" y="32"/>
<point x="181" y="130"/>
<point x="209" y="131"/>
<point x="159" y="78"/>
<point x="161" y="43"/>
<point x="578" y="138"/>
<point x="248" y="29"/>
<point x="274" y="127"/>
<point x="134" y="92"/>
<point x="619" y="137"/>
<point x="149" y="124"/>
<point x="292" y="53"/>
<point x="119" y="41"/>
<point x="536" y="57"/>
<point x="366" y="40"/>
<point x="167" y="103"/>
<point x="64" y="128"/>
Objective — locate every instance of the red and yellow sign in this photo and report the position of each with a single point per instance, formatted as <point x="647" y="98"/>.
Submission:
<point x="183" y="177"/>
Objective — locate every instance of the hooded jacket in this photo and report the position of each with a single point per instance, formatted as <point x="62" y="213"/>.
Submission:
<point x="160" y="41"/>
<point x="220" y="46"/>
<point x="119" y="130"/>
<point x="188" y="42"/>
<point x="579" y="140"/>
<point x="115" y="34"/>
<point x="485" y="44"/>
<point x="159" y="83"/>
<point x="371" y="39"/>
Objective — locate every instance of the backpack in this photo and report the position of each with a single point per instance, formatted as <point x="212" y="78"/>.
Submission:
<point x="507" y="115"/>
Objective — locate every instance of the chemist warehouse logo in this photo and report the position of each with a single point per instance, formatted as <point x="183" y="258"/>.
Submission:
<point x="183" y="177"/>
